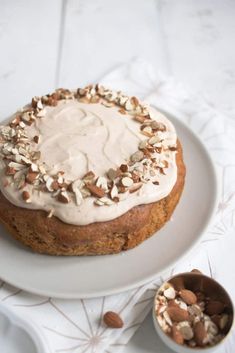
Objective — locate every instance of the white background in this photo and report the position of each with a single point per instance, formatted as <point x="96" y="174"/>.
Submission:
<point x="52" y="43"/>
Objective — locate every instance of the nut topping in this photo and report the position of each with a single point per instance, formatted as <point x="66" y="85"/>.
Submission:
<point x="114" y="192"/>
<point x="124" y="168"/>
<point x="20" y="153"/>
<point x="36" y="139"/>
<point x="63" y="197"/>
<point x="135" y="187"/>
<point x="10" y="171"/>
<point x="137" y="156"/>
<point x="157" y="126"/>
<point x="102" y="183"/>
<point x="89" y="176"/>
<point x="95" y="190"/>
<point x="112" y="174"/>
<point x="31" y="177"/>
<point x="127" y="182"/>
<point x="26" y="196"/>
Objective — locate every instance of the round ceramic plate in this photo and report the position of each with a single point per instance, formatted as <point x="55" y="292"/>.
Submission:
<point x="92" y="276"/>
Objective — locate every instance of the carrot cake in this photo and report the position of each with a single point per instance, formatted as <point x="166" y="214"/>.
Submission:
<point x="87" y="172"/>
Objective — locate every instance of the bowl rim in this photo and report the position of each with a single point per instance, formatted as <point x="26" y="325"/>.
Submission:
<point x="168" y="338"/>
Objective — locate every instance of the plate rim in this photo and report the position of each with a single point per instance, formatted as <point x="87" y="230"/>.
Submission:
<point x="137" y="283"/>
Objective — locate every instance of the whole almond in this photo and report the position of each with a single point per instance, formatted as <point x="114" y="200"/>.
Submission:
<point x="112" y="319"/>
<point x="188" y="296"/>
<point x="199" y="333"/>
<point x="176" y="335"/>
<point x="214" y="307"/>
<point x="177" y="314"/>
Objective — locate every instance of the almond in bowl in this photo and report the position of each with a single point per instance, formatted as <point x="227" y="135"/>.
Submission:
<point x="192" y="312"/>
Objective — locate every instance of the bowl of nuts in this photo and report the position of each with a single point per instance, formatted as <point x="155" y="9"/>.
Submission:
<point x="192" y="311"/>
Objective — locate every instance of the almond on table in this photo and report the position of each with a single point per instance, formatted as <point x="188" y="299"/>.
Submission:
<point x="113" y="320"/>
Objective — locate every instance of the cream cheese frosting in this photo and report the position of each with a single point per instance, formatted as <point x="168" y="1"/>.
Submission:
<point x="76" y="137"/>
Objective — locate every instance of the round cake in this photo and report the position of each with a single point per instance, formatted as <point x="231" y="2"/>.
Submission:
<point x="88" y="172"/>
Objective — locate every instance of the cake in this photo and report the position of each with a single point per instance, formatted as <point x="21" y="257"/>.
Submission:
<point x="88" y="172"/>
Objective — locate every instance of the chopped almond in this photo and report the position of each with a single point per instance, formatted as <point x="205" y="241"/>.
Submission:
<point x="95" y="190"/>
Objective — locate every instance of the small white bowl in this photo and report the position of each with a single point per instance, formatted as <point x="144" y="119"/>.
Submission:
<point x="18" y="336"/>
<point x="206" y="283"/>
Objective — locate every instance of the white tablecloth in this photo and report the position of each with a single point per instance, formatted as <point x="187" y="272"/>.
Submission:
<point x="76" y="325"/>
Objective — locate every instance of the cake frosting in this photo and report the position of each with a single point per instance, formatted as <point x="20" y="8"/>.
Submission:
<point x="78" y="141"/>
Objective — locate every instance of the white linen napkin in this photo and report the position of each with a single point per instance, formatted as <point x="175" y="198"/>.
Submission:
<point x="76" y="325"/>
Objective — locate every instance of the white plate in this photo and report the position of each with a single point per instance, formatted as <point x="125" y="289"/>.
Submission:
<point x="18" y="336"/>
<point x="92" y="276"/>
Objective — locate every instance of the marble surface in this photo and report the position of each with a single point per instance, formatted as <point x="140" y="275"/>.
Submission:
<point x="46" y="44"/>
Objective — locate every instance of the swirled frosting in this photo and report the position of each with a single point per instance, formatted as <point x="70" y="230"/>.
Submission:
<point x="76" y="137"/>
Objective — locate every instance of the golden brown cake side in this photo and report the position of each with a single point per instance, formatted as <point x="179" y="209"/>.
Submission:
<point x="51" y="236"/>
